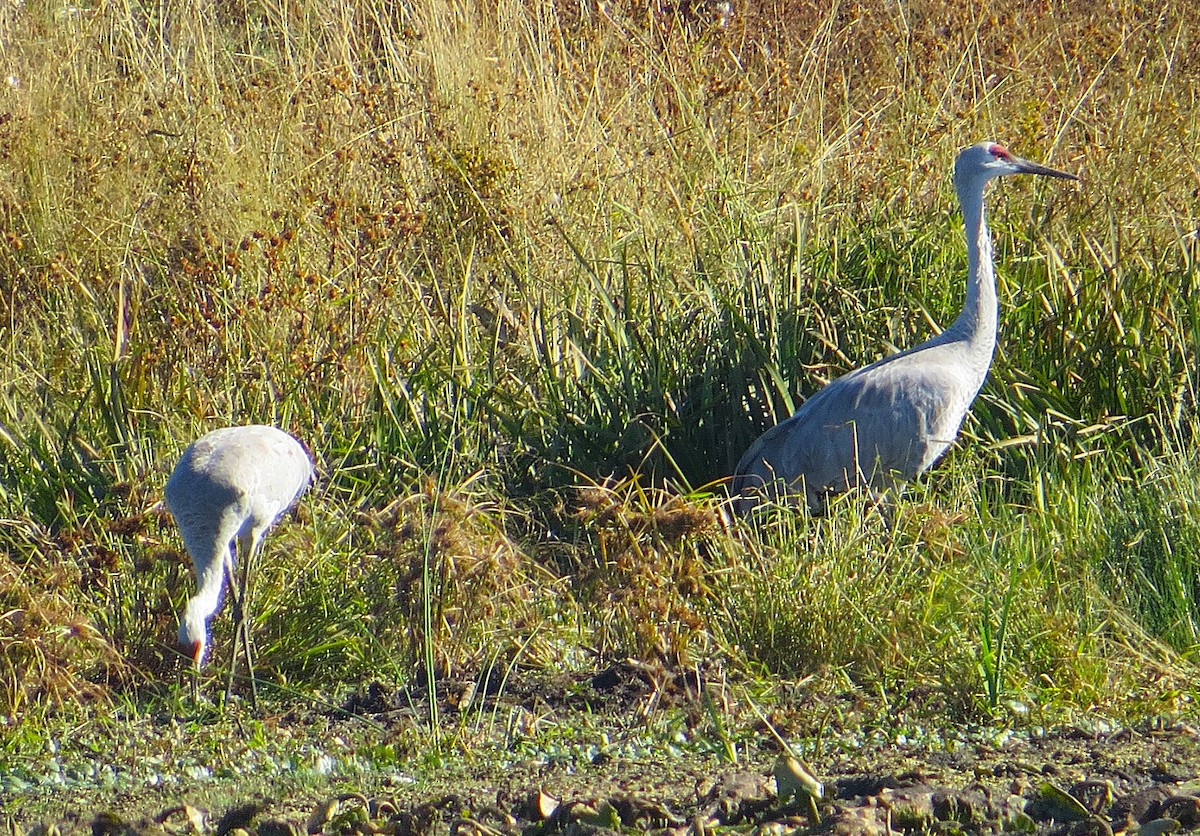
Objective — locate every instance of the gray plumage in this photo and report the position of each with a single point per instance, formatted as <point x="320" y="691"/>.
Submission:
<point x="229" y="488"/>
<point x="880" y="426"/>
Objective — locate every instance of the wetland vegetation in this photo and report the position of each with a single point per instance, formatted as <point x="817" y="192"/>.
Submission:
<point x="529" y="277"/>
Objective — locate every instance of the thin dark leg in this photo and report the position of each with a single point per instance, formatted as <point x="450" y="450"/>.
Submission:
<point x="239" y="595"/>
<point x="246" y="646"/>
<point x="239" y="621"/>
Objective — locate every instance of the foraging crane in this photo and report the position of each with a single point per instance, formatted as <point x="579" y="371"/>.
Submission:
<point x="882" y="425"/>
<point x="229" y="488"/>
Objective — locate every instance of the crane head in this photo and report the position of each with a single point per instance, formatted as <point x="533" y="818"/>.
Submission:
<point x="193" y="638"/>
<point x="986" y="160"/>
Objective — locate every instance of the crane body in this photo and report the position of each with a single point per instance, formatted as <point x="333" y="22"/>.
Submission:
<point x="882" y="425"/>
<point x="229" y="487"/>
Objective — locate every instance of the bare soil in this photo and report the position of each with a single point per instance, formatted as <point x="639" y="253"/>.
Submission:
<point x="1068" y="781"/>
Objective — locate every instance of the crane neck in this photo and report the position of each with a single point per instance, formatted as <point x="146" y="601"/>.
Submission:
<point x="210" y="585"/>
<point x="976" y="323"/>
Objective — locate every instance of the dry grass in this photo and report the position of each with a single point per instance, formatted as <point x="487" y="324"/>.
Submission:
<point x="472" y="251"/>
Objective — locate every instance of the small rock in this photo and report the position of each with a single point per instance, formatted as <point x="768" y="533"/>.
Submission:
<point x="1185" y="809"/>
<point x="964" y="807"/>
<point x="109" y="824"/>
<point x="1141" y="806"/>
<point x="738" y="797"/>
<point x="863" y="786"/>
<point x="238" y="818"/>
<point x="641" y="814"/>
<point x="276" y="827"/>
<point x="858" y="821"/>
<point x="911" y="807"/>
<point x="1091" y="826"/>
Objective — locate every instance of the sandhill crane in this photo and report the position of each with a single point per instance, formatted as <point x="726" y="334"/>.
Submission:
<point x="229" y="488"/>
<point x="880" y="426"/>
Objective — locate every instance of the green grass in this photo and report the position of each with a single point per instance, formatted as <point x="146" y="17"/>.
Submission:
<point x="529" y="282"/>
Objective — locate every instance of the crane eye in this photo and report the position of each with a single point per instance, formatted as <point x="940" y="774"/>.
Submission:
<point x="1000" y="152"/>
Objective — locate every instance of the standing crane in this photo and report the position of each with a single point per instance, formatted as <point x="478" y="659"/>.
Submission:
<point x="229" y="488"/>
<point x="882" y="425"/>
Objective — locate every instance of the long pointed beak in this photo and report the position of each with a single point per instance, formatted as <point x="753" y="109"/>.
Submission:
<point x="1026" y="167"/>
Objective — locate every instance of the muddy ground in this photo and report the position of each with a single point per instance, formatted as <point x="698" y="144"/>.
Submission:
<point x="1142" y="778"/>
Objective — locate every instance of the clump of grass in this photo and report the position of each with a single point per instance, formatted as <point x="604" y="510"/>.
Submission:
<point x="45" y="644"/>
<point x="1149" y="566"/>
<point x="456" y="581"/>
<point x="841" y="592"/>
<point x="645" y="572"/>
<point x="990" y="603"/>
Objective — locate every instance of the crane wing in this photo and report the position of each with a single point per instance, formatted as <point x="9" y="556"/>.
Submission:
<point x="875" y="427"/>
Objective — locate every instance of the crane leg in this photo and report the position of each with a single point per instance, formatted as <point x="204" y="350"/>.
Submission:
<point x="241" y="642"/>
<point x="241" y="631"/>
<point x="249" y="659"/>
<point x="251" y="548"/>
<point x="235" y="602"/>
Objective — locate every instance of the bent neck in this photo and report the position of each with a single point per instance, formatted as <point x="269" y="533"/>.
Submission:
<point x="976" y="323"/>
<point x="210" y="585"/>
